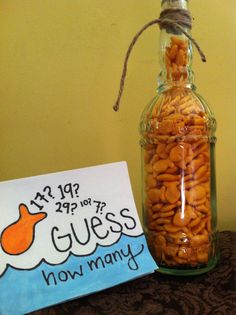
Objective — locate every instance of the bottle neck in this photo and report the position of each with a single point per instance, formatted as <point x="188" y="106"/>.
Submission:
<point x="175" y="52"/>
<point x="166" y="4"/>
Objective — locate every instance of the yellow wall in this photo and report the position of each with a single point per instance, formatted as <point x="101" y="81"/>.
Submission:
<point x="60" y="65"/>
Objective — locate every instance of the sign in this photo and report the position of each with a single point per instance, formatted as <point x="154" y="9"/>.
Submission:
<point x="68" y="234"/>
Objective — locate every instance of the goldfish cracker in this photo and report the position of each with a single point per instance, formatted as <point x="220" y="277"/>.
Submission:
<point x="178" y="41"/>
<point x="199" y="239"/>
<point x="160" y="148"/>
<point x="163" y="193"/>
<point x="195" y="222"/>
<point x="200" y="149"/>
<point x="159" y="228"/>
<point x="180" y="58"/>
<point x="194" y="165"/>
<point x="149" y="212"/>
<point x="172" y="192"/>
<point x="184" y="252"/>
<point x="202" y="208"/>
<point x="198" y="143"/>
<point x="165" y="127"/>
<point x="163" y="155"/>
<point x="169" y="111"/>
<point x="199" y="202"/>
<point x="188" y="177"/>
<point x="177" y="153"/>
<point x="157" y="207"/>
<point x="154" y="195"/>
<point x="184" y="99"/>
<point x="155" y="215"/>
<point x="166" y="214"/>
<point x="147" y="156"/>
<point x="149" y="168"/>
<point x="173" y="52"/>
<point x="171" y="250"/>
<point x="151" y="181"/>
<point x="169" y="147"/>
<point x="154" y="159"/>
<point x="152" y="225"/>
<point x="172" y="170"/>
<point x="162" y="165"/>
<point x="197" y="230"/>
<point x="178" y="237"/>
<point x="181" y="165"/>
<point x="168" y="207"/>
<point x="192" y="183"/>
<point x="161" y="221"/>
<point x="175" y="117"/>
<point x="168" y="177"/>
<point x="185" y="104"/>
<point x="196" y="193"/>
<point x="201" y="171"/>
<point x="173" y="229"/>
<point x="183" y="218"/>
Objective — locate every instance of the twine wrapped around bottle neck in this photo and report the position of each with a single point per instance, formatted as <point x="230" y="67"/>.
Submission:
<point x="173" y="20"/>
<point x="172" y="16"/>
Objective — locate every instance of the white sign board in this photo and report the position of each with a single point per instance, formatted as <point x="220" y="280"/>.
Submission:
<point x="68" y="234"/>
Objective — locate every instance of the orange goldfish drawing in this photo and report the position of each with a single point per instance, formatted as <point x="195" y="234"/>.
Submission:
<point x="18" y="237"/>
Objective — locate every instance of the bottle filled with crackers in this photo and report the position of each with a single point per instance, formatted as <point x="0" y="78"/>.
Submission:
<point x="178" y="160"/>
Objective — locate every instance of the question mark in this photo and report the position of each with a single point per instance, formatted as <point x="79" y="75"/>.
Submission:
<point x="76" y="189"/>
<point x="48" y="190"/>
<point x="73" y="207"/>
<point x="102" y="206"/>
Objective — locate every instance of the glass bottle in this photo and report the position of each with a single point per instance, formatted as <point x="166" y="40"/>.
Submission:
<point x="178" y="164"/>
